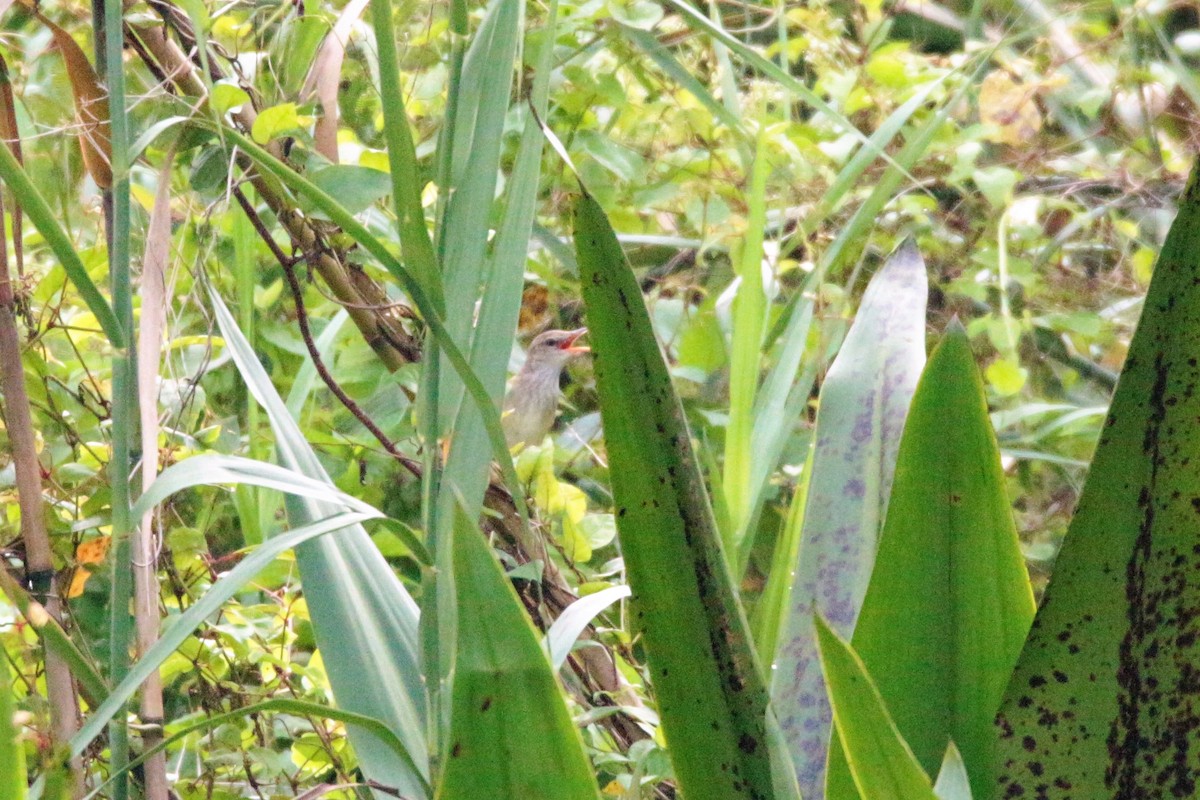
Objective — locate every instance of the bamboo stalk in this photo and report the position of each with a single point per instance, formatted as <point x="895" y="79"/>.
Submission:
<point x="39" y="560"/>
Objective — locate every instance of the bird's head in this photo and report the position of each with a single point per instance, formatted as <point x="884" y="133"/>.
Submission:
<point x="551" y="350"/>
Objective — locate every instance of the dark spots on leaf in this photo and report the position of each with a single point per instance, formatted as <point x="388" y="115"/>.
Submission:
<point x="486" y="704"/>
<point x="1029" y="743"/>
<point x="456" y="750"/>
<point x="621" y="511"/>
<point x="1036" y="681"/>
<point x="747" y="744"/>
<point x="1060" y="676"/>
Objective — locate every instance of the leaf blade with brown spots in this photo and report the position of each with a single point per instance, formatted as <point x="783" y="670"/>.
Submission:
<point x="1105" y="700"/>
<point x="711" y="694"/>
<point x="510" y="733"/>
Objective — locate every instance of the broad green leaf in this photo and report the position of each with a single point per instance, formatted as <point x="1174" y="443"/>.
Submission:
<point x="278" y="120"/>
<point x="863" y="403"/>
<point x="883" y="766"/>
<point x="356" y="188"/>
<point x="949" y="602"/>
<point x="1103" y="700"/>
<point x="710" y="692"/>
<point x="356" y="602"/>
<point x="510" y="733"/>
<point x="226" y="96"/>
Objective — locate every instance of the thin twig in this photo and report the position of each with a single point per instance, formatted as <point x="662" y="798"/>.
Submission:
<point x="289" y="263"/>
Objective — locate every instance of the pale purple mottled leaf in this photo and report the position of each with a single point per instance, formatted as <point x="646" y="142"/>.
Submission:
<point x="864" y="400"/>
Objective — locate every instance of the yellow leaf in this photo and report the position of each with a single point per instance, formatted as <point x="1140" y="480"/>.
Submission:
<point x="575" y="544"/>
<point x="78" y="581"/>
<point x="93" y="551"/>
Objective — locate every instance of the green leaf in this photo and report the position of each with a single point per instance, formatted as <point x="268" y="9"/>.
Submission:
<point x="1006" y="377"/>
<point x="883" y="766"/>
<point x="356" y="188"/>
<point x="354" y="598"/>
<point x="1102" y="703"/>
<point x="863" y="404"/>
<point x="183" y="626"/>
<point x="46" y="222"/>
<point x="12" y="754"/>
<point x="949" y="603"/>
<point x="575" y="618"/>
<point x="504" y="692"/>
<point x="710" y="692"/>
<point x="745" y="357"/>
<point x="276" y="121"/>
<point x="226" y="96"/>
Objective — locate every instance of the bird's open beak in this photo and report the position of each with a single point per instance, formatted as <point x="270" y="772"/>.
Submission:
<point x="570" y="346"/>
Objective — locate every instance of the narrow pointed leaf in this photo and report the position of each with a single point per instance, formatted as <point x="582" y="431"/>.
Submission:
<point x="952" y="783"/>
<point x="949" y="603"/>
<point x="883" y="766"/>
<point x="47" y="224"/>
<point x="510" y="733"/>
<point x="1104" y="699"/>
<point x="709" y="689"/>
<point x="91" y="106"/>
<point x="863" y="403"/>
<point x="575" y="618"/>
<point x="357" y="603"/>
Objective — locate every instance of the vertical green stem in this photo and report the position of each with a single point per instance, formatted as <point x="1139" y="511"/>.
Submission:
<point x="251" y="503"/>
<point x="124" y="380"/>
<point x="749" y="327"/>
<point x="422" y="260"/>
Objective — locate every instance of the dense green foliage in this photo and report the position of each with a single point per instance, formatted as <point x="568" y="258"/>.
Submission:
<point x="341" y="224"/>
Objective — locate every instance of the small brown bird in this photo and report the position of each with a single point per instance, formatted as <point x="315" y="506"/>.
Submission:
<point x="532" y="401"/>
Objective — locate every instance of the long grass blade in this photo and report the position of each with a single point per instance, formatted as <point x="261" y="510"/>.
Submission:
<point x="357" y="603"/>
